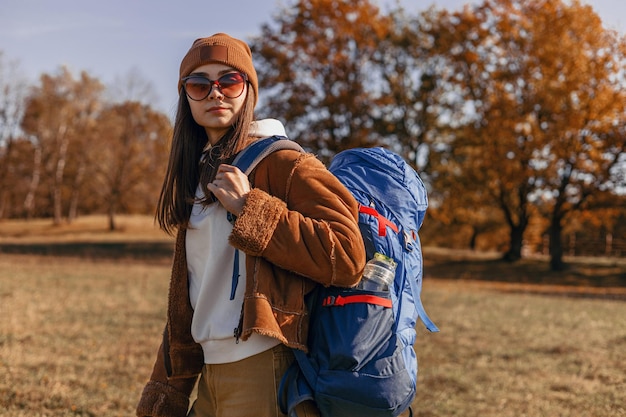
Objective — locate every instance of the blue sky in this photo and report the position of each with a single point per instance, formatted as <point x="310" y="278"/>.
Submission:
<point x="109" y="39"/>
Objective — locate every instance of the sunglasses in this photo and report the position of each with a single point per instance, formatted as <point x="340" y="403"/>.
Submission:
<point x="198" y="87"/>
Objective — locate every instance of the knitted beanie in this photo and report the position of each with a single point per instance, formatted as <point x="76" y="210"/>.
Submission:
<point x="222" y="49"/>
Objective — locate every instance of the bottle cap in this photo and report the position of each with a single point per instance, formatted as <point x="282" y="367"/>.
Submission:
<point x="383" y="258"/>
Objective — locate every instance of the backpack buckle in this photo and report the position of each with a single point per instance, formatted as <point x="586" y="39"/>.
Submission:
<point x="328" y="301"/>
<point x="409" y="241"/>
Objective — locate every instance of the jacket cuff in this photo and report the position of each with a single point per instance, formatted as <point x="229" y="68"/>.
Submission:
<point x="162" y="400"/>
<point x="256" y="223"/>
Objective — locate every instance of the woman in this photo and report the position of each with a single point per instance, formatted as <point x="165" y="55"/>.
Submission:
<point x="296" y="225"/>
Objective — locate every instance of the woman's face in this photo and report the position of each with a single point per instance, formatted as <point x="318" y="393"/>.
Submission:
<point x="217" y="112"/>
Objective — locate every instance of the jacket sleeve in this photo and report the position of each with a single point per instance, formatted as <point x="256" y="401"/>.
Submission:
<point x="301" y="218"/>
<point x="163" y="396"/>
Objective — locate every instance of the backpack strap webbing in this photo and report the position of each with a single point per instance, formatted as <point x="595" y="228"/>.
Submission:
<point x="248" y="158"/>
<point x="341" y="301"/>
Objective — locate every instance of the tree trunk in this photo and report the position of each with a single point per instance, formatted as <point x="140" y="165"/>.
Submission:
<point x="4" y="195"/>
<point x="4" y="175"/>
<point x="57" y="192"/>
<point x="516" y="241"/>
<point x="111" y="220"/>
<point x="112" y="210"/>
<point x="75" y="197"/>
<point x="472" y="243"/>
<point x="113" y="202"/>
<point x="556" y="245"/>
<point x="29" y="201"/>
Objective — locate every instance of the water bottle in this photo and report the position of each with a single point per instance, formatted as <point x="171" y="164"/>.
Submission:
<point x="379" y="273"/>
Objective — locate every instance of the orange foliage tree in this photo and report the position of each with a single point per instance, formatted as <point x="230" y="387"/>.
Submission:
<point x="129" y="158"/>
<point x="59" y="119"/>
<point x="542" y="83"/>
<point x="314" y="64"/>
<point x="89" y="154"/>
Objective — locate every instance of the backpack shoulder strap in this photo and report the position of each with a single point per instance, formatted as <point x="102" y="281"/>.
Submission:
<point x="246" y="161"/>
<point x="249" y="158"/>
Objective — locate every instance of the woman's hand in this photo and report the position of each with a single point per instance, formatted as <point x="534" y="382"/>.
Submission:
<point x="231" y="188"/>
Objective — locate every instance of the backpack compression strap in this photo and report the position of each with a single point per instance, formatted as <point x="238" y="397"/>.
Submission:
<point x="357" y="298"/>
<point x="383" y="222"/>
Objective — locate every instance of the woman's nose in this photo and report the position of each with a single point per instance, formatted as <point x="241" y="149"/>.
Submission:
<point x="216" y="91"/>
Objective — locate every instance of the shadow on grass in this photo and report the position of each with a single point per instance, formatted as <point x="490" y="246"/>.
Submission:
<point x="601" y="278"/>
<point x="149" y="251"/>
<point x="598" y="278"/>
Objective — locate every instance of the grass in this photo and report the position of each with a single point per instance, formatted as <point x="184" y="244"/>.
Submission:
<point x="84" y="229"/>
<point x="521" y="354"/>
<point x="78" y="334"/>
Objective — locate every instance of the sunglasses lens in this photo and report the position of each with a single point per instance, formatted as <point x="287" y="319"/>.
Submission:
<point x="197" y="88"/>
<point x="231" y="84"/>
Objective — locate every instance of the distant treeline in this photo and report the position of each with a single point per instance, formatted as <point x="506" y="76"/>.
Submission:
<point x="513" y="112"/>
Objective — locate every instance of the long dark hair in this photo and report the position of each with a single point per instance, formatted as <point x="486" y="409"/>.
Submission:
<point x="187" y="166"/>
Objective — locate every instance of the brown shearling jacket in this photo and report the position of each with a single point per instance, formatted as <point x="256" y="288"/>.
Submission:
<point x="298" y="227"/>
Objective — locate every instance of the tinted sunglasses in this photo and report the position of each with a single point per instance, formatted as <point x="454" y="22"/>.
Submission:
<point x="198" y="87"/>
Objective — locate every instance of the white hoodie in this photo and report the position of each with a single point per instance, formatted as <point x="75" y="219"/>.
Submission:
<point x="215" y="299"/>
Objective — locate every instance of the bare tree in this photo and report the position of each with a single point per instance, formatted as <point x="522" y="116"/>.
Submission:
<point x="132" y="86"/>
<point x="13" y="92"/>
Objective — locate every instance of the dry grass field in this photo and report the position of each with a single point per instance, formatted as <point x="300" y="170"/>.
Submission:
<point x="79" y="327"/>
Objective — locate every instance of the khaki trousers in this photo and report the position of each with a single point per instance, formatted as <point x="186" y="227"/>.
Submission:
<point x="247" y="388"/>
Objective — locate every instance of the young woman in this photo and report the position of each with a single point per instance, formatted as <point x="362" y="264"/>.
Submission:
<point x="295" y="226"/>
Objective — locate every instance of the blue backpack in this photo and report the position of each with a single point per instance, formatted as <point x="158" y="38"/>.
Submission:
<point x="361" y="360"/>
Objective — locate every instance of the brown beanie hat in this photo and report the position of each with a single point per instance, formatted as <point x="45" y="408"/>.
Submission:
<point x="225" y="50"/>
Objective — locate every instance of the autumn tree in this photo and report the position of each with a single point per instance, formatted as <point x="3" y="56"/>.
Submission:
<point x="419" y="111"/>
<point x="341" y="84"/>
<point x="129" y="157"/>
<point x="583" y="117"/>
<point x="59" y="117"/>
<point x="404" y="104"/>
<point x="314" y="69"/>
<point x="83" y="154"/>
<point x="542" y="81"/>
